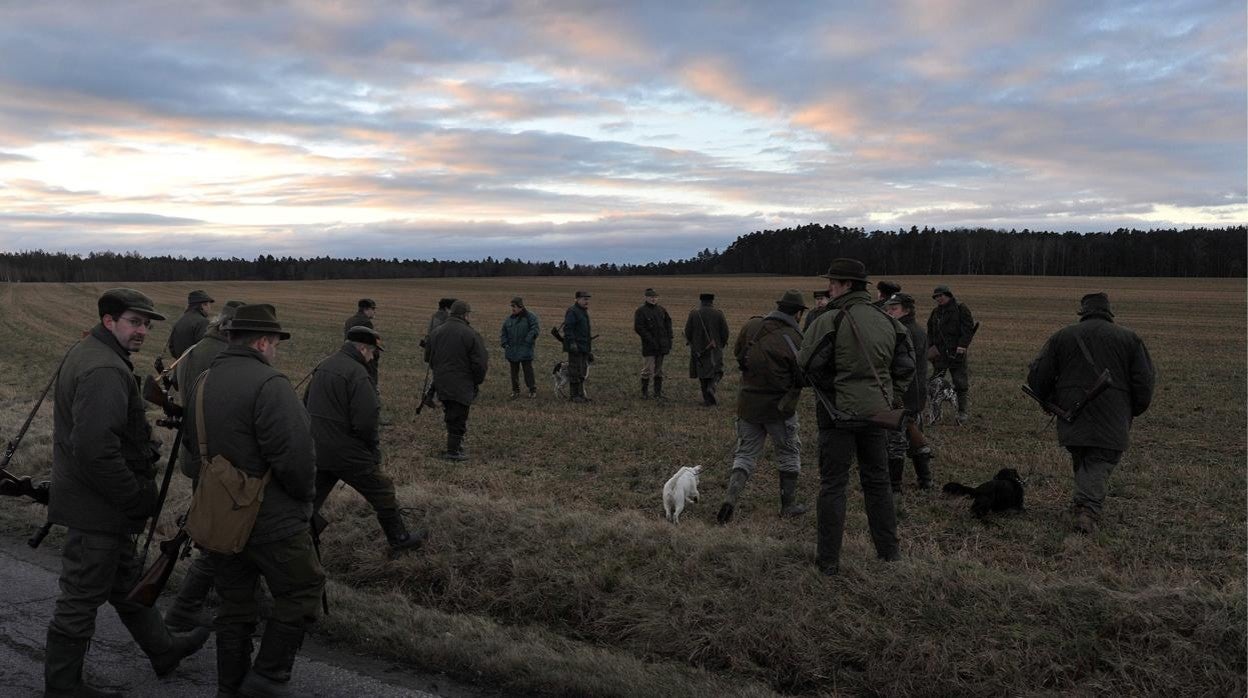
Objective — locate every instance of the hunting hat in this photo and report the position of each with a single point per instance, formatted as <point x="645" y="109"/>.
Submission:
<point x="116" y="301"/>
<point x="651" y="293"/>
<point x="792" y="298"/>
<point x="227" y="311"/>
<point x="942" y="290"/>
<point x="365" y="335"/>
<point x="198" y="297"/>
<point x="583" y="294"/>
<point x="905" y="300"/>
<point x="888" y="288"/>
<point x="518" y="302"/>
<point x="821" y="293"/>
<point x="257" y="317"/>
<point x="366" y="303"/>
<point x="706" y="296"/>
<point x="445" y="303"/>
<point x="846" y="269"/>
<point x="460" y="308"/>
<point x="1095" y="303"/>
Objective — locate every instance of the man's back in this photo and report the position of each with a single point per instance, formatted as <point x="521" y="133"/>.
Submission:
<point x="344" y="412"/>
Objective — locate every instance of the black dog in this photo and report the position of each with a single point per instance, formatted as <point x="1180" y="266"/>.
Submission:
<point x="1002" y="493"/>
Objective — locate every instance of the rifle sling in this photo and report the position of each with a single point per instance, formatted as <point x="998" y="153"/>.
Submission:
<point x="853" y="327"/>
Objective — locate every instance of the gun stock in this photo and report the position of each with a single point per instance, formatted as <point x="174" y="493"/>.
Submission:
<point x="892" y="419"/>
<point x="153" y="581"/>
<point x="915" y="435"/>
<point x="1047" y="406"/>
<point x="1103" y="383"/>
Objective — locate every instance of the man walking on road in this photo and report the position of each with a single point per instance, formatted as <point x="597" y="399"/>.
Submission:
<point x="652" y="323"/>
<point x="103" y="489"/>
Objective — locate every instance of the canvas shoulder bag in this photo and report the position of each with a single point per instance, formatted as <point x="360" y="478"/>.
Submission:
<point x="227" y="500"/>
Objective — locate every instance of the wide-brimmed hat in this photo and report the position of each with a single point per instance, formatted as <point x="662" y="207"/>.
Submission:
<point x="846" y="269"/>
<point x="460" y="308"/>
<point x="942" y="290"/>
<point x="198" y="296"/>
<point x="791" y="298"/>
<point x="365" y="335"/>
<point x="887" y="288"/>
<point x="583" y="294"/>
<point x="116" y="301"/>
<point x="256" y="317"/>
<point x="1095" y="303"/>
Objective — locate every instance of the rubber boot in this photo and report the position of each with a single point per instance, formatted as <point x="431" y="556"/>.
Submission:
<point x="187" y="611"/>
<point x="270" y="673"/>
<point x="455" y="448"/>
<point x="788" y="495"/>
<point x="645" y="388"/>
<point x="923" y="469"/>
<point x="397" y="535"/>
<point x="709" y="392"/>
<point x="896" y="468"/>
<point x="736" y="483"/>
<point x="963" y="408"/>
<point x="165" y="649"/>
<point x="233" y="657"/>
<point x="578" y="392"/>
<point x="62" y="667"/>
<point x="658" y="388"/>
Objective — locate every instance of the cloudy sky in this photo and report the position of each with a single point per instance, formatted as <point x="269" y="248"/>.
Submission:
<point x="617" y="131"/>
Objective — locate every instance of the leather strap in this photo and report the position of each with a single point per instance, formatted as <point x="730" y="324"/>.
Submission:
<point x="853" y="327"/>
<point x="200" y="432"/>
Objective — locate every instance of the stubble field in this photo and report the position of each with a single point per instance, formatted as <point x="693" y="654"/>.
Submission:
<point x="550" y="570"/>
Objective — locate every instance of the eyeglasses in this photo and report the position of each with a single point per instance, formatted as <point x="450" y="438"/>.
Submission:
<point x="137" y="321"/>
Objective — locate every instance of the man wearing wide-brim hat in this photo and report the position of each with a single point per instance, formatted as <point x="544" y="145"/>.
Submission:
<point x="1067" y="366"/>
<point x="771" y="383"/>
<point x="103" y="490"/>
<point x="950" y="329"/>
<point x="860" y="360"/>
<point x="190" y="328"/>
<point x="251" y="417"/>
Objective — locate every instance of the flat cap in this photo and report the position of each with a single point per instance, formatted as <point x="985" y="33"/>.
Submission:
<point x="366" y="303"/>
<point x="116" y="301"/>
<point x="903" y="299"/>
<point x="651" y="293"/>
<point x="365" y="335"/>
<point x="583" y="294"/>
<point x="198" y="296"/>
<point x="706" y="296"/>
<point x="460" y="308"/>
<point x="942" y="290"/>
<point x="517" y="301"/>
<point x="822" y="293"/>
<point x="1095" y="303"/>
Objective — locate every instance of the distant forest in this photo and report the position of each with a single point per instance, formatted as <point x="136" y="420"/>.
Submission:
<point x="804" y="251"/>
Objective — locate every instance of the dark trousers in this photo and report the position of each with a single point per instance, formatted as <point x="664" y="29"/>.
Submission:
<point x="95" y="568"/>
<point x="959" y="373"/>
<point x="455" y="414"/>
<point x="375" y="486"/>
<point x="837" y="448"/>
<point x="1092" y="468"/>
<point x="529" y="381"/>
<point x="578" y="366"/>
<point x="292" y="572"/>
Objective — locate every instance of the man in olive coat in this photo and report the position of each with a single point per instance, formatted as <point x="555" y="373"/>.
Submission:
<point x="771" y="383"/>
<point x="364" y="314"/>
<point x="578" y="342"/>
<point x="345" y="413"/>
<point x="950" y="329"/>
<point x="652" y="323"/>
<point x="706" y="333"/>
<point x="900" y="444"/>
<point x="103" y="489"/>
<point x="1068" y="364"/>
<point x="460" y="361"/>
<point x="254" y="420"/>
<point x="821" y="304"/>
<point x="518" y="337"/>
<point x="860" y="360"/>
<point x="190" y="328"/>
<point x="429" y="399"/>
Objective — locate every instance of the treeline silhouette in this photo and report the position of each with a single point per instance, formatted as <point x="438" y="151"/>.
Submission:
<point x="804" y="250"/>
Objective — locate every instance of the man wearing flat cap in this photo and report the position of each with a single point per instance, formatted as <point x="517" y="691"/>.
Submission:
<point x="821" y="304"/>
<point x="885" y="290"/>
<point x="244" y="410"/>
<point x="345" y="413"/>
<point x="652" y="323"/>
<point x="771" y="383"/>
<point x="366" y="310"/>
<point x="519" y="337"/>
<point x="860" y="360"/>
<point x="578" y="343"/>
<point x="1069" y="364"/>
<point x="456" y="352"/>
<point x="706" y="333"/>
<point x="190" y="328"/>
<point x="950" y="329"/>
<point x="103" y="490"/>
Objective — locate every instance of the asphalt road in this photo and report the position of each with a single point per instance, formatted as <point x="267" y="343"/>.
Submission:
<point x="28" y="591"/>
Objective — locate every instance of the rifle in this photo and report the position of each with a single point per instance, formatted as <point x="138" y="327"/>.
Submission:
<point x="889" y="419"/>
<point x="424" y="389"/>
<point x="1103" y="382"/>
<point x="710" y="343"/>
<point x="915" y="435"/>
<point x="153" y="581"/>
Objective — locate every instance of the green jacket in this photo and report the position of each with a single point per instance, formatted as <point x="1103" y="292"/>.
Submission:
<point x="766" y="350"/>
<point x="578" y="334"/>
<point x="950" y="326"/>
<point x="654" y="326"/>
<point x="189" y="328"/>
<point x="519" y="335"/>
<point x="1061" y="374"/>
<point x="103" y="455"/>
<point x="459" y="360"/>
<point x="357" y="320"/>
<point x="199" y="358"/>
<point x="833" y="360"/>
<point x="255" y="420"/>
<point x="344" y="410"/>
<point x="706" y="333"/>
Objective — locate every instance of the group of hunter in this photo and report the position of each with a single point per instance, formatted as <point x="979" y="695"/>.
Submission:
<point x="864" y="358"/>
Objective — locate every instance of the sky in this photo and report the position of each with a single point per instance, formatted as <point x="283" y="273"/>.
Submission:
<point x="618" y="131"/>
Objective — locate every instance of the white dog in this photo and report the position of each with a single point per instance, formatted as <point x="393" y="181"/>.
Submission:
<point x="681" y="489"/>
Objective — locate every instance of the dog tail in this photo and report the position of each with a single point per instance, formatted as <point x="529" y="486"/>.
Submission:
<point x="958" y="488"/>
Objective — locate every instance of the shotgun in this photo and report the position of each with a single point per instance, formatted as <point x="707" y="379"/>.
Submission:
<point x="1103" y="382"/>
<point x="889" y="419"/>
<point x="153" y="581"/>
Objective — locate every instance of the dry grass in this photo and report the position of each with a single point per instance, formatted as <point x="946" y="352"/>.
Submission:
<point x="550" y="570"/>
